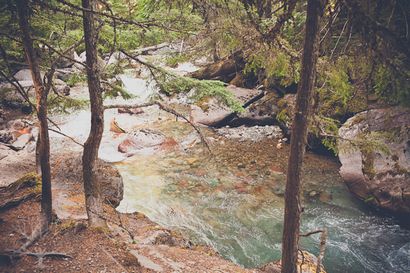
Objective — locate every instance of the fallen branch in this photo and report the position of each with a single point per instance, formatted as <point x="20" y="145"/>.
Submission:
<point x="11" y="255"/>
<point x="17" y="201"/>
<point x="322" y="248"/>
<point x="311" y="233"/>
<point x="67" y="136"/>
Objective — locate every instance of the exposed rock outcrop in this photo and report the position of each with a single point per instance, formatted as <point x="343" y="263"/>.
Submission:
<point x="307" y="263"/>
<point x="68" y="168"/>
<point x="375" y="154"/>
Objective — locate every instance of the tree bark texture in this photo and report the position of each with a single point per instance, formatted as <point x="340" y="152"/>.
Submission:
<point x="290" y="239"/>
<point x="92" y="187"/>
<point x="41" y="106"/>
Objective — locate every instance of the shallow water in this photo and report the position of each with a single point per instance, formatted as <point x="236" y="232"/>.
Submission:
<point x="238" y="209"/>
<point x="233" y="200"/>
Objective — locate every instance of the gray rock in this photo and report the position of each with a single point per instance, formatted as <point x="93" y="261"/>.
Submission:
<point x="82" y="58"/>
<point x="68" y="168"/>
<point x="6" y="136"/>
<point x="378" y="173"/>
<point x="22" y="141"/>
<point x="254" y="133"/>
<point x="115" y="58"/>
<point x="140" y="140"/>
<point x="23" y="75"/>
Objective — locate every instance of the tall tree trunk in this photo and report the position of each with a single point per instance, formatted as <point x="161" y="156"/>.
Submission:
<point x="92" y="187"/>
<point x="290" y="239"/>
<point x="41" y="105"/>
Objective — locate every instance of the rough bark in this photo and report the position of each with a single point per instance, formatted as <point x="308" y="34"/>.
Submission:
<point x="290" y="238"/>
<point x="41" y="106"/>
<point x="92" y="188"/>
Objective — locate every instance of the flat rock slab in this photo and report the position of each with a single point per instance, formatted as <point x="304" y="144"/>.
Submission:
<point x="139" y="140"/>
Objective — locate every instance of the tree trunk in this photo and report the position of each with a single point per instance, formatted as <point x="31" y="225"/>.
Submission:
<point x="92" y="187"/>
<point x="290" y="237"/>
<point x="41" y="106"/>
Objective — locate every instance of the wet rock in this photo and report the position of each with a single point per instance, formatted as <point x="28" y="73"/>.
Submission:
<point x="139" y="140"/>
<point x="22" y="141"/>
<point x="375" y="156"/>
<point x="68" y="168"/>
<point x="254" y="133"/>
<point x="307" y="263"/>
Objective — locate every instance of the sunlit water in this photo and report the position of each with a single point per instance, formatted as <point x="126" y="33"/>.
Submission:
<point x="241" y="216"/>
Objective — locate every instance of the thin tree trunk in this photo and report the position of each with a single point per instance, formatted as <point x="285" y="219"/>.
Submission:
<point x="92" y="188"/>
<point x="41" y="105"/>
<point x="268" y="9"/>
<point x="290" y="239"/>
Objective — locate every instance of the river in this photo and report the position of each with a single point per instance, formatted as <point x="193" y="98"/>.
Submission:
<point x="233" y="201"/>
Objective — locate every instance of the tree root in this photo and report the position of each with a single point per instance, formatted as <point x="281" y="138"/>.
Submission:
<point x="10" y="256"/>
<point x="17" y="201"/>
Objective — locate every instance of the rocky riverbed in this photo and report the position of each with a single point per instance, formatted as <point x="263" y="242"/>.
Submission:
<point x="223" y="187"/>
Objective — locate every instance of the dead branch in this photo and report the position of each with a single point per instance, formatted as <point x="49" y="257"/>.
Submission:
<point x="17" y="201"/>
<point x="12" y="255"/>
<point x="311" y="233"/>
<point x="322" y="248"/>
<point x="67" y="136"/>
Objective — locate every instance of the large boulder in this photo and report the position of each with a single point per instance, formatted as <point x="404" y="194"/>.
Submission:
<point x="67" y="168"/>
<point x="374" y="149"/>
<point x="141" y="140"/>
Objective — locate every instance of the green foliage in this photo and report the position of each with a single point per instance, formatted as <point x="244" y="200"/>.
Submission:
<point x="170" y="83"/>
<point x="62" y="104"/>
<point x="275" y="64"/>
<point x="392" y="87"/>
<point x="175" y="59"/>
<point x="76" y="78"/>
<point x="327" y="129"/>
<point x="116" y="90"/>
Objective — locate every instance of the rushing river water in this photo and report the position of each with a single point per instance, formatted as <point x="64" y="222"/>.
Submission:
<point x="233" y="201"/>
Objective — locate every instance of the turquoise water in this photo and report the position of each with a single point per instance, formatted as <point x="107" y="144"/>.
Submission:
<point x="239" y="211"/>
